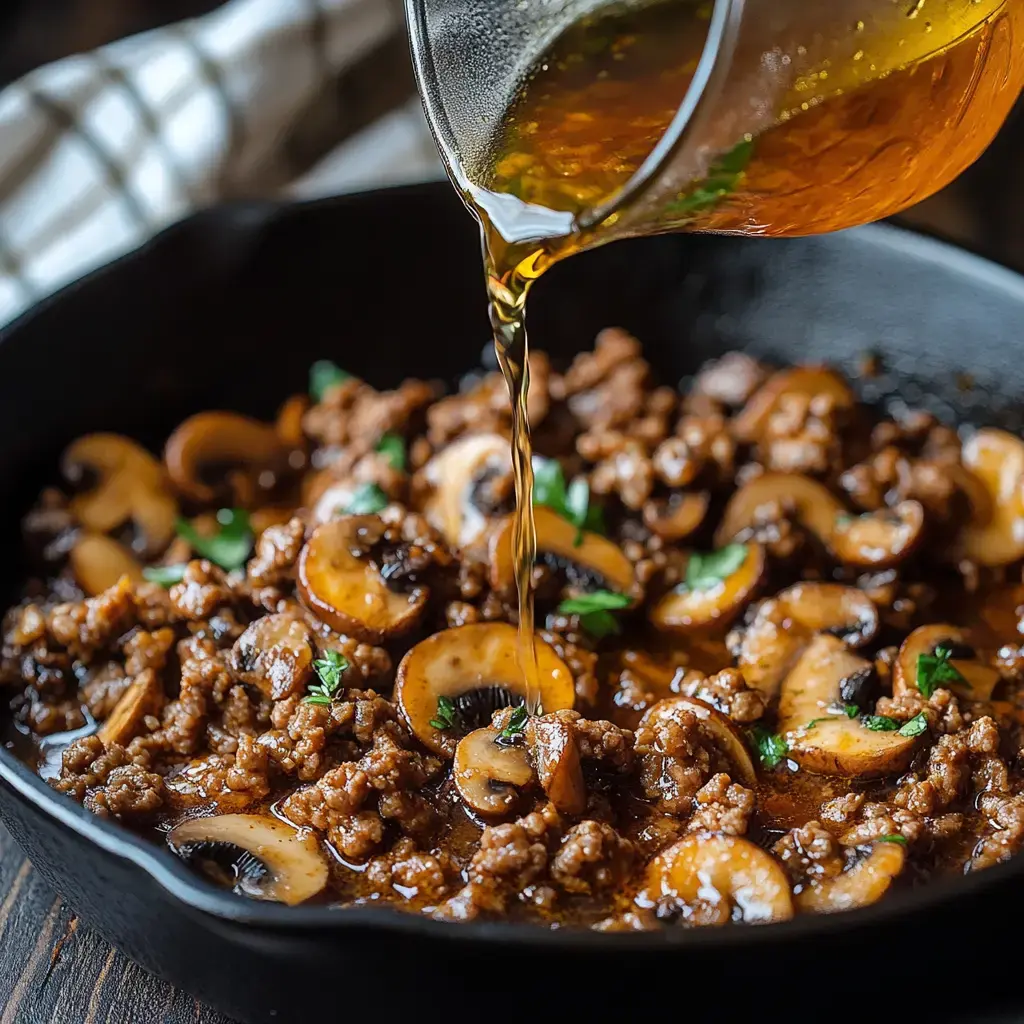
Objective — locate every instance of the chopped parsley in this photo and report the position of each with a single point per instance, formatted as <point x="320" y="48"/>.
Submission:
<point x="367" y="498"/>
<point x="880" y="723"/>
<point x="165" y="575"/>
<point x="771" y="747"/>
<point x="708" y="569"/>
<point x="934" y="670"/>
<point x="895" y="837"/>
<point x="571" y="502"/>
<point x="229" y="547"/>
<point x="392" y="447"/>
<point x="516" y="724"/>
<point x="329" y="668"/>
<point x="595" y="611"/>
<point x="917" y="725"/>
<point x="324" y="375"/>
<point x="446" y="716"/>
<point x="851" y="710"/>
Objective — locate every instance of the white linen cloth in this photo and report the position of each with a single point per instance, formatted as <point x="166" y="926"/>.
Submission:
<point x="99" y="151"/>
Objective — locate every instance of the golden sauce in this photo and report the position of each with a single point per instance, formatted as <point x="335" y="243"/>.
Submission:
<point x="851" y="144"/>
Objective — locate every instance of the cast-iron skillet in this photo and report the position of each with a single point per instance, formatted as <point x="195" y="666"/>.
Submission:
<point x="228" y="310"/>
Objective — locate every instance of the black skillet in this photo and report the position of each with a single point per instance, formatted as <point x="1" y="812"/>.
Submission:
<point x="228" y="310"/>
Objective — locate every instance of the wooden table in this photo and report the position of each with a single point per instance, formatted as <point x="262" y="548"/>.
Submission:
<point x="55" y="970"/>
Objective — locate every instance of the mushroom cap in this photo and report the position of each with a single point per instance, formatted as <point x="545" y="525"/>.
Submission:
<point x="837" y="745"/>
<point x="722" y="730"/>
<point x="295" y="868"/>
<point x="275" y="654"/>
<point x="99" y="561"/>
<point x="730" y="876"/>
<point x="677" y="517"/>
<point x="995" y="535"/>
<point x="452" y="475"/>
<point x="556" y="756"/>
<point x="488" y="774"/>
<point x="557" y="536"/>
<point x="461" y="660"/>
<point x="980" y="680"/>
<point x="144" y="696"/>
<point x="811" y="381"/>
<point x="346" y="591"/>
<point x="683" y="610"/>
<point x="872" y="540"/>
<point x="864" y="883"/>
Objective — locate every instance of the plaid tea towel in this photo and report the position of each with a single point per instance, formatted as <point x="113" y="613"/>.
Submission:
<point x="99" y="151"/>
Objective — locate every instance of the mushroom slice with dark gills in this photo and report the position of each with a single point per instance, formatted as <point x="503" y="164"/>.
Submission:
<point x="456" y="678"/>
<point x="356" y="578"/>
<point x="253" y="854"/>
<point x="704" y="599"/>
<point x="676" y="517"/>
<point x="458" y="476"/>
<point x="489" y="773"/>
<point x="274" y="654"/>
<point x="864" y="882"/>
<point x="709" y="879"/>
<point x="939" y="655"/>
<point x="995" y="533"/>
<point x="829" y="743"/>
<point x="588" y="560"/>
<point x="784" y="625"/>
<point x="872" y="540"/>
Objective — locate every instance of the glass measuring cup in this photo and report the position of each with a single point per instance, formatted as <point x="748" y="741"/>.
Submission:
<point x="796" y="118"/>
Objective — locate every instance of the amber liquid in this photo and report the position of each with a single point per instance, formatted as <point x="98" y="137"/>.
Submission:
<point x="851" y="145"/>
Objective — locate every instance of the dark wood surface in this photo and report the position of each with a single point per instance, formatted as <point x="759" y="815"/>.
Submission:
<point x="55" y="970"/>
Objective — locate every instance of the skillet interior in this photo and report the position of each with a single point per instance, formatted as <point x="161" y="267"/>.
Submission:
<point x="230" y="308"/>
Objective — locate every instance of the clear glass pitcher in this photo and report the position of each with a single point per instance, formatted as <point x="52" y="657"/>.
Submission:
<point x="799" y="117"/>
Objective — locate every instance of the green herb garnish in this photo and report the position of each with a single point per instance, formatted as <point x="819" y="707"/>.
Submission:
<point x="595" y="611"/>
<point x="834" y="712"/>
<point x="516" y="724"/>
<point x="392" y="447"/>
<point x="917" y="725"/>
<point x="368" y="498"/>
<point x="723" y="178"/>
<point x="324" y="375"/>
<point x="933" y="670"/>
<point x="229" y="547"/>
<point x="165" y="575"/>
<point x="851" y="710"/>
<point x="329" y="668"/>
<point x="880" y="723"/>
<point x="446" y="716"/>
<point x="571" y="502"/>
<point x="771" y="747"/>
<point x="708" y="569"/>
<point x="895" y="837"/>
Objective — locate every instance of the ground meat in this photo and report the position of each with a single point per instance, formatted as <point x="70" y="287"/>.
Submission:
<point x="623" y="466"/>
<point x="801" y="435"/>
<point x="842" y="809"/>
<point x="109" y="780"/>
<point x="147" y="650"/>
<point x="604" y="745"/>
<point x="1006" y="818"/>
<point x="94" y="623"/>
<point x="201" y="592"/>
<point x="593" y="858"/>
<point x="580" y="662"/>
<point x="941" y="709"/>
<point x="727" y="690"/>
<point x="730" y="380"/>
<point x="809" y="854"/>
<point x="103" y="688"/>
<point x="722" y="806"/>
<point x="277" y="551"/>
<point x="410" y="872"/>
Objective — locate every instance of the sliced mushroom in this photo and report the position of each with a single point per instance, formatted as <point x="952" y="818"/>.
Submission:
<point x="995" y="534"/>
<point x="677" y="517"/>
<point x="834" y="744"/>
<point x="785" y="624"/>
<point x="803" y="380"/>
<point x="872" y="540"/>
<point x="684" y="610"/>
<point x="556" y="756"/>
<point x="723" y="733"/>
<point x="489" y="775"/>
<point x="129" y="485"/>
<point x="275" y="654"/>
<point x="715" y="879"/>
<point x="454" y="475"/>
<point x="289" y="421"/>
<point x="590" y="560"/>
<point x="144" y="696"/>
<point x="866" y="882"/>
<point x="346" y="590"/>
<point x="476" y="667"/>
<point x="979" y="679"/>
<point x="215" y="440"/>
<point x="254" y="854"/>
<point x="98" y="562"/>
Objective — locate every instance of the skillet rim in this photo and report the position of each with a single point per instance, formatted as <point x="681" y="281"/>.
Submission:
<point x="185" y="887"/>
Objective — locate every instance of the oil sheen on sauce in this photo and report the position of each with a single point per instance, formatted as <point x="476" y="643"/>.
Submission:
<point x="839" y="155"/>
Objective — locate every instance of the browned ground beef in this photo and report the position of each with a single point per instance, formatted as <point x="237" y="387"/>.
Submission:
<point x="288" y="678"/>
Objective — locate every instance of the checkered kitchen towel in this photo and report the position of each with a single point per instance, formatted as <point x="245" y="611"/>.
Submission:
<point x="101" y="150"/>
